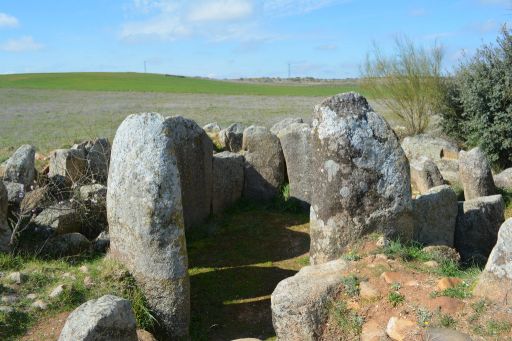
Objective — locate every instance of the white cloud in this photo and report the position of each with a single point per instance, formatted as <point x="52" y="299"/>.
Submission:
<point x="22" y="44"/>
<point x="7" y="20"/>
<point x="221" y="10"/>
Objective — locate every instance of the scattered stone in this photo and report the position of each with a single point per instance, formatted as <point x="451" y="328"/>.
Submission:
<point x="371" y="331"/>
<point x="69" y="244"/>
<point x="107" y="318"/>
<point x="39" y="304"/>
<point x="16" y="277"/>
<point x="31" y="296"/>
<point x="431" y="264"/>
<point x="88" y="282"/>
<point x="443" y="252"/>
<point x="264" y="164"/>
<point x="300" y="303"/>
<point x="62" y="218"/>
<point x="9" y="299"/>
<point x="15" y="192"/>
<point x="495" y="282"/>
<point x="20" y="166"/>
<point x="478" y="222"/>
<point x="84" y="269"/>
<point x="57" y="291"/>
<point x="283" y="124"/>
<point x="435" y="148"/>
<point x="446" y="334"/>
<point x="402" y="330"/>
<point x="5" y="230"/>
<point x="101" y="243"/>
<point x="367" y="291"/>
<point x="391" y="277"/>
<point x="361" y="176"/>
<point x="232" y="137"/>
<point x="435" y="215"/>
<point x="425" y="174"/>
<point x="6" y="309"/>
<point x="295" y="141"/>
<point x="143" y="335"/>
<point x="146" y="216"/>
<point x="228" y="180"/>
<point x="448" y="283"/>
<point x="503" y="180"/>
<point x="382" y="242"/>
<point x="475" y="174"/>
<point x="36" y="199"/>
<point x="68" y="165"/>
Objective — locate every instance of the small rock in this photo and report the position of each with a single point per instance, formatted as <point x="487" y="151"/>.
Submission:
<point x="445" y="334"/>
<point x="382" y="242"/>
<point x="39" y="304"/>
<point x="372" y="332"/>
<point x="368" y="291"/>
<point x="84" y="269"/>
<point x="443" y="252"/>
<point x="425" y="174"/>
<point x="9" y="299"/>
<point x="57" y="291"/>
<point x="391" y="277"/>
<point x="431" y="264"/>
<point x="503" y="180"/>
<point x="143" y="335"/>
<point x="402" y="330"/>
<point x="276" y="128"/>
<point x="31" y="296"/>
<point x="6" y="309"/>
<point x="447" y="283"/>
<point x="88" y="282"/>
<point x="16" y="277"/>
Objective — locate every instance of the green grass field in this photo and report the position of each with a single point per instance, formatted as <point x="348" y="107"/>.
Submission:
<point x="141" y="82"/>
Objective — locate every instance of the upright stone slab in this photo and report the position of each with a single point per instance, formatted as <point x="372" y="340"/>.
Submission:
<point x="232" y="136"/>
<point x="194" y="152"/>
<point x="475" y="174"/>
<point x="68" y="165"/>
<point x="478" y="222"/>
<point x="495" y="282"/>
<point x="264" y="164"/>
<point x="145" y="216"/>
<point x="5" y="231"/>
<point x="228" y="180"/>
<point x="98" y="159"/>
<point x="295" y="140"/>
<point x="361" y="177"/>
<point x="20" y="166"/>
<point x="435" y="215"/>
<point x="425" y="174"/>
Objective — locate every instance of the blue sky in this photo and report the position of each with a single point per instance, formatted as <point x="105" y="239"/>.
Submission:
<point x="233" y="38"/>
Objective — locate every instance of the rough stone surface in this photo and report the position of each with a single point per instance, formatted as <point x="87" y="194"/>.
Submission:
<point x="145" y="216"/>
<point x="61" y="218"/>
<point x="371" y="331"/>
<point x="475" y="174"/>
<point x="446" y="334"/>
<point x="109" y="318"/>
<point x="478" y="222"/>
<point x="97" y="192"/>
<point x="35" y="199"/>
<point x="435" y="215"/>
<point x="503" y="180"/>
<point x="295" y="141"/>
<point x="5" y="230"/>
<point x="276" y="128"/>
<point x="102" y="242"/>
<point x="194" y="153"/>
<point x="213" y="132"/>
<point x="434" y="148"/>
<point x="425" y="174"/>
<point x="68" y="165"/>
<point x="232" y="137"/>
<point x="98" y="159"/>
<point x="264" y="163"/>
<point x="15" y="192"/>
<point x="361" y="177"/>
<point x="495" y="282"/>
<point x="69" y="244"/>
<point x="300" y="303"/>
<point x="443" y="252"/>
<point x="402" y="330"/>
<point x="20" y="166"/>
<point x="228" y="180"/>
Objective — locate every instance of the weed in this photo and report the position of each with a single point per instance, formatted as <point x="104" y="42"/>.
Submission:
<point x="395" y="298"/>
<point x="495" y="328"/>
<point x="447" y="321"/>
<point x="460" y="291"/>
<point x="479" y="307"/>
<point x="348" y="321"/>
<point x="351" y="256"/>
<point x="395" y="286"/>
<point x="424" y="317"/>
<point x="351" y="284"/>
<point x="406" y="251"/>
<point x="303" y="261"/>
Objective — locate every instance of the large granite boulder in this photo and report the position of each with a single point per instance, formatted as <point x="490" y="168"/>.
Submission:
<point x="295" y="140"/>
<point x="495" y="282"/>
<point x="20" y="166"/>
<point x="194" y="153"/>
<point x="476" y="231"/>
<point x="108" y="318"/>
<point x="231" y="137"/>
<point x="425" y="174"/>
<point x="503" y="180"/>
<point x="145" y="215"/>
<point x="435" y="215"/>
<point x="228" y="180"/>
<point x="276" y="128"/>
<point x="300" y="303"/>
<point x="5" y="230"/>
<point x="361" y="177"/>
<point x="68" y="166"/>
<point x="475" y="174"/>
<point x="264" y="164"/>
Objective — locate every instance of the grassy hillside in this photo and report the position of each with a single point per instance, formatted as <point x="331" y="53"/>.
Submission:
<point x="141" y="82"/>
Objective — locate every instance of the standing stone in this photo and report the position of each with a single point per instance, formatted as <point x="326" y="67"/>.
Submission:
<point x="478" y="222"/>
<point x="145" y="216"/>
<point x="194" y="153"/>
<point x="5" y="231"/>
<point x="495" y="282"/>
<point x="300" y="303"/>
<point x="264" y="164"/>
<point x="425" y="174"/>
<point x="228" y="180"/>
<point x="109" y="318"/>
<point x="475" y="174"/>
<point x="296" y="143"/>
<point x="361" y="177"/>
<point x="276" y="128"/>
<point x="98" y="159"/>
<point x="435" y="215"/>
<point x="68" y="165"/>
<point x="503" y="180"/>
<point x="20" y="166"/>
<point x="231" y="137"/>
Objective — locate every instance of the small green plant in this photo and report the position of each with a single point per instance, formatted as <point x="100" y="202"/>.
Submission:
<point x="395" y="298"/>
<point x="303" y="261"/>
<point x="496" y="328"/>
<point x="406" y="251"/>
<point x="348" y="321"/>
<point x="351" y="256"/>
<point x="424" y="317"/>
<point x="351" y="284"/>
<point x="396" y="286"/>
<point x="447" y="321"/>
<point x="460" y="291"/>
<point x="479" y="307"/>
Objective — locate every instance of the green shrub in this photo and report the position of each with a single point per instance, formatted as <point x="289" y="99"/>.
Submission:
<point x="348" y="321"/>
<point x="477" y="108"/>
